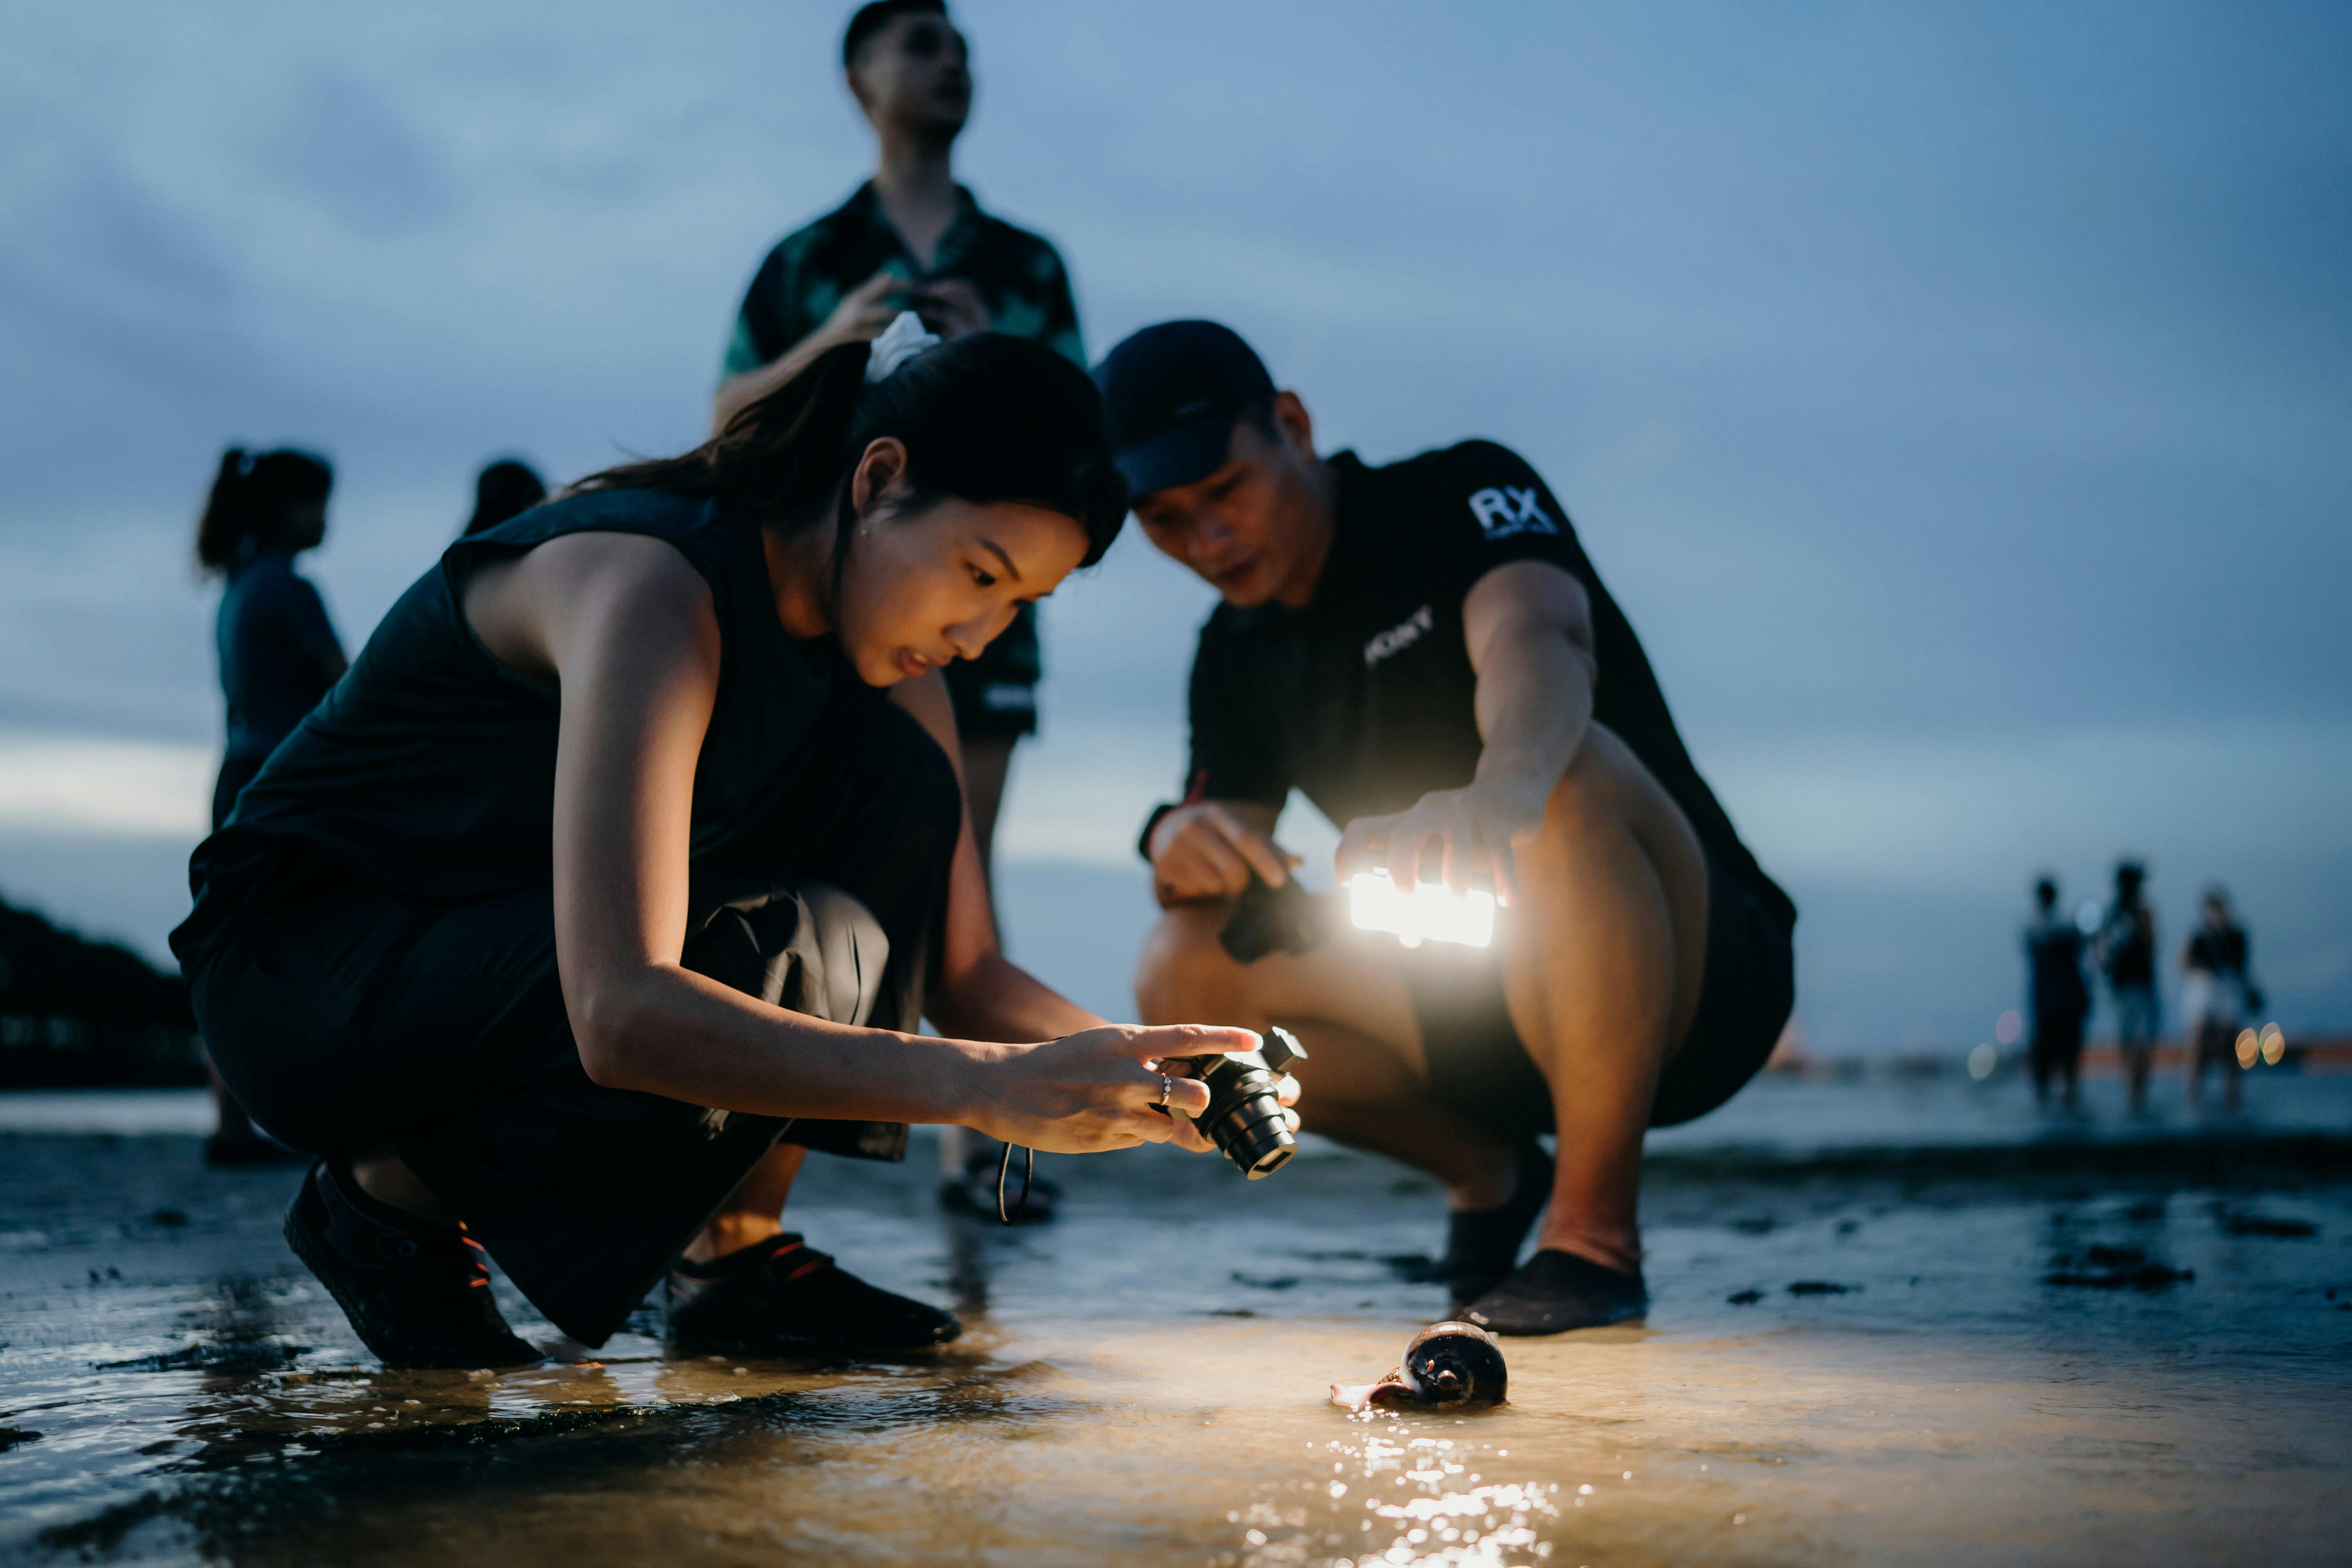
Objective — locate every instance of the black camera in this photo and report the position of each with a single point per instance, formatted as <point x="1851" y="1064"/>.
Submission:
<point x="1244" y="1118"/>
<point x="1269" y="918"/>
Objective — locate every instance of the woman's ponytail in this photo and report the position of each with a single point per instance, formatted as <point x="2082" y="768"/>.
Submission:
<point x="222" y="529"/>
<point x="249" y="499"/>
<point x="775" y="456"/>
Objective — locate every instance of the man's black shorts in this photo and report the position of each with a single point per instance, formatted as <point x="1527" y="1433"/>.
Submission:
<point x="1479" y="1070"/>
<point x="995" y="695"/>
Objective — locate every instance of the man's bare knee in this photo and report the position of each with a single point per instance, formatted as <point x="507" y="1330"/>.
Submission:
<point x="1602" y="789"/>
<point x="1184" y="973"/>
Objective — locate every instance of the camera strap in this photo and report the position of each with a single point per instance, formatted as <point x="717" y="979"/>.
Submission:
<point x="1003" y="1170"/>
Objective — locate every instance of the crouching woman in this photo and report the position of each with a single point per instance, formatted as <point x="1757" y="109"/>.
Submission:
<point x="623" y="866"/>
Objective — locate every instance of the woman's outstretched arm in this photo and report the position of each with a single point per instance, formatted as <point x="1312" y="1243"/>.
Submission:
<point x="981" y="994"/>
<point x="625" y="629"/>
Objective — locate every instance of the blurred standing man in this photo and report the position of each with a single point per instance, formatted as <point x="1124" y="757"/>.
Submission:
<point x="2055" y="994"/>
<point x="2218" y="995"/>
<point x="1424" y="650"/>
<point x="2125" y="950"/>
<point x="911" y="238"/>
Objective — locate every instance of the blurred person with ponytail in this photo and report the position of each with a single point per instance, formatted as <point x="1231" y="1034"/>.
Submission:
<point x="626" y="863"/>
<point x="279" y="652"/>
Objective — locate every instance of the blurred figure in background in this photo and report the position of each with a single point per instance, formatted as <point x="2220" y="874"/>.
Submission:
<point x="508" y="487"/>
<point x="2125" y="951"/>
<point x="2057" y="998"/>
<point x="911" y="238"/>
<point x="2218" y="995"/>
<point x="278" y="654"/>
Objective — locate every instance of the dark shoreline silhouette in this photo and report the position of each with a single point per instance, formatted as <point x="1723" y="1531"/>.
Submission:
<point x="78" y="1014"/>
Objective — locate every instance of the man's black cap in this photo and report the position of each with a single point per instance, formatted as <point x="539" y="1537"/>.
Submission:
<point x="1170" y="393"/>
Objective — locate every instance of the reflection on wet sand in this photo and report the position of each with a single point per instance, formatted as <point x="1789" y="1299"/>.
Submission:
<point x="1840" y="1365"/>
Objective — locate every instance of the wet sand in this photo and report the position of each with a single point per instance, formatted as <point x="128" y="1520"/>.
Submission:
<point x="1145" y="1380"/>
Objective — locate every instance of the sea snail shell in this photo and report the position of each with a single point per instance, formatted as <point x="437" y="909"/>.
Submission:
<point x="1455" y="1363"/>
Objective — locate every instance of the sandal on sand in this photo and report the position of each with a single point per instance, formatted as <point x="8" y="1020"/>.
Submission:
<point x="783" y="1297"/>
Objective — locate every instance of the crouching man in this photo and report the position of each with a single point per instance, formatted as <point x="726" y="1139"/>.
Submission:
<point x="1424" y="649"/>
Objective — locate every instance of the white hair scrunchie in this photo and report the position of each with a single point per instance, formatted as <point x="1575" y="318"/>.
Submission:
<point x="900" y="341"/>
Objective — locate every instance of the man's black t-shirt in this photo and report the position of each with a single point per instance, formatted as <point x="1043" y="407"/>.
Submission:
<point x="1365" y="699"/>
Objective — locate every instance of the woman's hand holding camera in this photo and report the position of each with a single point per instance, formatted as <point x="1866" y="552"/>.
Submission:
<point x="1101" y="1089"/>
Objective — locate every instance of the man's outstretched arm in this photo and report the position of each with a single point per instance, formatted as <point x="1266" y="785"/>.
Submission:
<point x="1528" y="627"/>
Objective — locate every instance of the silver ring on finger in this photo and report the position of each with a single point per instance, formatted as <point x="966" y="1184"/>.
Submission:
<point x="1167" y="1087"/>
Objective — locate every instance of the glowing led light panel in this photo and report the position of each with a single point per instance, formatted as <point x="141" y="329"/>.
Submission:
<point x="1432" y="912"/>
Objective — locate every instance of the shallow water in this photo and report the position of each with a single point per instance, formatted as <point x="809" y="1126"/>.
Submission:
<point x="1146" y="1380"/>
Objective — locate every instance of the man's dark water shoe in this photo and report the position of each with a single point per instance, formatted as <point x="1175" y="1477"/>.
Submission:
<point x="1553" y="1292"/>
<point x="975" y="1190"/>
<point x="1481" y="1245"/>
<point x="783" y="1297"/>
<point x="417" y="1290"/>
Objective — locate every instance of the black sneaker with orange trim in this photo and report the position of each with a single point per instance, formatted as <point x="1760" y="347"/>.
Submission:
<point x="417" y="1290"/>
<point x="783" y="1297"/>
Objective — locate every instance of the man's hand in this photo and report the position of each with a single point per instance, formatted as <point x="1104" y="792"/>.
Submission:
<point x="864" y="311"/>
<point x="951" y="307"/>
<point x="1527" y="628"/>
<point x="1471" y="833"/>
<point x="861" y="316"/>
<point x="1208" y="850"/>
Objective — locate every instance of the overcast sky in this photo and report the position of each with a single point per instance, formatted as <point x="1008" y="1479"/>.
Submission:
<point x="1959" y="401"/>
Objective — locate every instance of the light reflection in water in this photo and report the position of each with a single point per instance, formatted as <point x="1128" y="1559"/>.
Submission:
<point x="1418" y="1501"/>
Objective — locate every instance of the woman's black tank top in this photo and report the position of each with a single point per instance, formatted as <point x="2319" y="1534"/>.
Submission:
<point x="430" y="768"/>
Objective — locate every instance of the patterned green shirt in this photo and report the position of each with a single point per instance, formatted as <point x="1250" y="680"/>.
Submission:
<point x="1018" y="275"/>
<point x="1027" y="292"/>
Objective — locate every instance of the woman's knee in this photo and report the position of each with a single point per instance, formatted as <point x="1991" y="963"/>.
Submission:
<point x="1184" y="971"/>
<point x="851" y="950"/>
<point x="805" y="945"/>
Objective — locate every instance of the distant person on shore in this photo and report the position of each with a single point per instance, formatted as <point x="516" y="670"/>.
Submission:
<point x="1424" y="650"/>
<point x="2125" y="951"/>
<point x="2218" y="995"/>
<point x="278" y="652"/>
<point x="911" y="239"/>
<point x="2057" y="998"/>
<point x="508" y="487"/>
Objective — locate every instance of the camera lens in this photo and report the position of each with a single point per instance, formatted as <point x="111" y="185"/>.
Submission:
<point x="1244" y="1117"/>
<point x="1245" y="1121"/>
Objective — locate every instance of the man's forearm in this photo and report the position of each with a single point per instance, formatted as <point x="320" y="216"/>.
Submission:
<point x="737" y="393"/>
<point x="1534" y="705"/>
